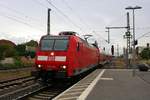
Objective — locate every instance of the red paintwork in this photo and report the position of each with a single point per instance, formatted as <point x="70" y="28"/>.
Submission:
<point x="86" y="56"/>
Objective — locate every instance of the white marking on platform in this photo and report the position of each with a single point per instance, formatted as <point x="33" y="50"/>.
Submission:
<point x="107" y="79"/>
<point x="72" y="93"/>
<point x="68" y="98"/>
<point x="81" y="86"/>
<point x="120" y="69"/>
<point x="78" y="88"/>
<point x="85" y="93"/>
<point x="81" y="89"/>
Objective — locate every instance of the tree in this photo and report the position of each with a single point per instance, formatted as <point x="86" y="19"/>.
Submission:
<point x="30" y="53"/>
<point x="145" y="54"/>
<point x="7" y="51"/>
<point x="10" y="52"/>
<point x="2" y="49"/>
<point x="20" y="48"/>
<point x="32" y="43"/>
<point x="23" y="51"/>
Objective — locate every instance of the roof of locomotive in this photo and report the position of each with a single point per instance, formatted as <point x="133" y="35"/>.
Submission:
<point x="77" y="38"/>
<point x="68" y="33"/>
<point x="54" y="37"/>
<point x="65" y="35"/>
<point x="62" y="35"/>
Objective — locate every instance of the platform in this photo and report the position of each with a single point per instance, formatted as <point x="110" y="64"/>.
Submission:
<point x="117" y="84"/>
<point x="110" y="84"/>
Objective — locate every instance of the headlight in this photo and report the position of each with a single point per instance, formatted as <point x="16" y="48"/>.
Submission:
<point x="63" y="67"/>
<point x="52" y="53"/>
<point x="39" y="66"/>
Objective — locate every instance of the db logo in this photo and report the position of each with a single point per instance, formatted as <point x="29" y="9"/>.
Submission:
<point x="51" y="58"/>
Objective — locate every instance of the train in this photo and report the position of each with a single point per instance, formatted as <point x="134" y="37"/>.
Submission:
<point x="65" y="56"/>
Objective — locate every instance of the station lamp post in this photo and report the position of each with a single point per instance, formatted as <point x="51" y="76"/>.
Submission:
<point x="133" y="8"/>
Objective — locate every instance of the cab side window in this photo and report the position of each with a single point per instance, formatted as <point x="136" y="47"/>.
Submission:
<point x="78" y="46"/>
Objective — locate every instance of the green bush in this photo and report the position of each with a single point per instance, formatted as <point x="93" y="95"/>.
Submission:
<point x="30" y="53"/>
<point x="1" y="65"/>
<point x="18" y="63"/>
<point x="32" y="43"/>
<point x="7" y="51"/>
<point x="2" y="49"/>
<point x="145" y="54"/>
<point x="21" y="49"/>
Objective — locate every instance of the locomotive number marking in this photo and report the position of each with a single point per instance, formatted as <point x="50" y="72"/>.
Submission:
<point x="51" y="58"/>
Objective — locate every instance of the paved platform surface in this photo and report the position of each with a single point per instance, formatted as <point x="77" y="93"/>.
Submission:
<point x="120" y="84"/>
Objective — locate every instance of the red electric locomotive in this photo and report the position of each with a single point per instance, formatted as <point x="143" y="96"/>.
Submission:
<point x="65" y="56"/>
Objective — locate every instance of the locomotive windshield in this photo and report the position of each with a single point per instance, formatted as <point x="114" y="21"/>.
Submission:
<point x="58" y="44"/>
<point x="47" y="44"/>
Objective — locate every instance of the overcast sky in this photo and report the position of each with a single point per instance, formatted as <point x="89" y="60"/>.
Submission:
<point x="23" y="20"/>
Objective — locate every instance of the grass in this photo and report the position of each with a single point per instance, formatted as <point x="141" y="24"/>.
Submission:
<point x="145" y="61"/>
<point x="119" y="63"/>
<point x="14" y="74"/>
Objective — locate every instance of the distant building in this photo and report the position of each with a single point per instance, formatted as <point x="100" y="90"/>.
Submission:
<point x="7" y="42"/>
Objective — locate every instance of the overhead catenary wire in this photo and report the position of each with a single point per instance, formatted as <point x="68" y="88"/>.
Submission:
<point x="57" y="14"/>
<point x="24" y="16"/>
<point x="143" y="35"/>
<point x="16" y="20"/>
<point x="64" y="15"/>
<point x="71" y="21"/>
<point x="76" y="14"/>
<point x="101" y="37"/>
<point x="41" y="4"/>
<point x="80" y="19"/>
<point x="20" y="17"/>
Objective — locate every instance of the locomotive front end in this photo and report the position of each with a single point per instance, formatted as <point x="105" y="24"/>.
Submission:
<point x="51" y="57"/>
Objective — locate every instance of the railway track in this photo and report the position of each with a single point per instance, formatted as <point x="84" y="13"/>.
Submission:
<point x="28" y="89"/>
<point x="16" y="81"/>
<point x="14" y="70"/>
<point x="18" y="93"/>
<point x="51" y="91"/>
<point x="9" y="86"/>
<point x="47" y="93"/>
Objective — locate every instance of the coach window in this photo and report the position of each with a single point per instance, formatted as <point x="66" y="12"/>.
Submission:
<point x="78" y="46"/>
